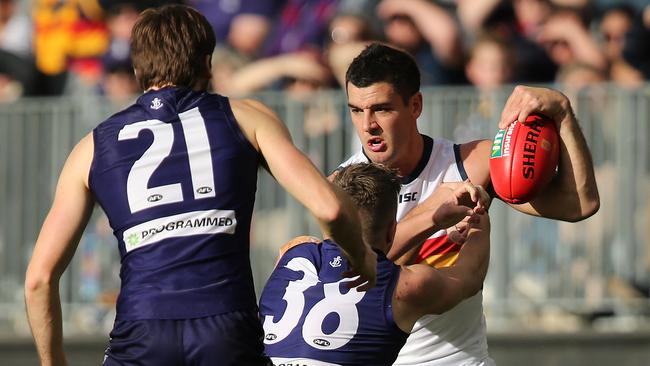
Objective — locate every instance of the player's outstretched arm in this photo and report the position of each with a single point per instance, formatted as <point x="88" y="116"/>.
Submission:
<point x="449" y="204"/>
<point x="331" y="206"/>
<point x="426" y="290"/>
<point x="54" y="249"/>
<point x="573" y="194"/>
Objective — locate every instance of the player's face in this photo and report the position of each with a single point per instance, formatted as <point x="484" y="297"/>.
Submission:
<point x="385" y="125"/>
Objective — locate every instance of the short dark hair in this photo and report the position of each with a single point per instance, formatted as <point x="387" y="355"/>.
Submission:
<point x="169" y="45"/>
<point x="373" y="188"/>
<point x="381" y="63"/>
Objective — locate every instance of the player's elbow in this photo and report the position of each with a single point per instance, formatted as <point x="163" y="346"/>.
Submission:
<point x="592" y="206"/>
<point x="38" y="281"/>
<point x="470" y="288"/>
<point x="331" y="214"/>
<point x="586" y="209"/>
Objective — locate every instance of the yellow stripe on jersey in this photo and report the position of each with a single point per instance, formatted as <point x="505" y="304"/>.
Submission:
<point x="441" y="260"/>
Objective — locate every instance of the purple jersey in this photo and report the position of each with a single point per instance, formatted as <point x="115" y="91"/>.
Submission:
<point x="177" y="179"/>
<point x="311" y="318"/>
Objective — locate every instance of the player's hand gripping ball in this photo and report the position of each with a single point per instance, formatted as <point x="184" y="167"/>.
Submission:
<point x="524" y="158"/>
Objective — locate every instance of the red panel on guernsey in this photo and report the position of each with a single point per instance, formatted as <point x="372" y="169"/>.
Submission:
<point x="440" y="247"/>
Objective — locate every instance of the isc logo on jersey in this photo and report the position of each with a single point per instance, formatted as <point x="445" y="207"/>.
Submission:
<point x="408" y="197"/>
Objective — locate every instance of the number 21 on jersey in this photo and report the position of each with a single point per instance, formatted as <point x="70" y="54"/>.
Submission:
<point x="139" y="195"/>
<point x="333" y="301"/>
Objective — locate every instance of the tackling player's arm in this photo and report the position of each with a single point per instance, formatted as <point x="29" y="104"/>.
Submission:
<point x="332" y="207"/>
<point x="572" y="195"/>
<point x="448" y="205"/>
<point x="54" y="249"/>
<point x="422" y="289"/>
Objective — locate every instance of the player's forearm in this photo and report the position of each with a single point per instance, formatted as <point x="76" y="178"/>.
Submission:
<point x="343" y="226"/>
<point x="579" y="173"/>
<point x="44" y="314"/>
<point x="411" y="232"/>
<point x="573" y="194"/>
<point x="473" y="260"/>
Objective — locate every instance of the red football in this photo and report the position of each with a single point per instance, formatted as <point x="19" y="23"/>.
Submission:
<point x="524" y="158"/>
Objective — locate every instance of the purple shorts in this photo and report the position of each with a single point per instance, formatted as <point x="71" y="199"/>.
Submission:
<point x="225" y="339"/>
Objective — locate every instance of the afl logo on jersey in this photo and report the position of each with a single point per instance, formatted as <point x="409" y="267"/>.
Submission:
<point x="321" y="342"/>
<point x="154" y="198"/>
<point x="204" y="190"/>
<point x="270" y="337"/>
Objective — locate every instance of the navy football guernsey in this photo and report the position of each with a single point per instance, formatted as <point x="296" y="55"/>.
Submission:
<point x="177" y="179"/>
<point x="311" y="318"/>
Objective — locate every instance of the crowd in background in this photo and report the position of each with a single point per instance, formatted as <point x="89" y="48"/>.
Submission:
<point x="50" y="47"/>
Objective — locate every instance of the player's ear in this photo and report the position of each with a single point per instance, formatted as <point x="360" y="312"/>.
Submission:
<point x="415" y="104"/>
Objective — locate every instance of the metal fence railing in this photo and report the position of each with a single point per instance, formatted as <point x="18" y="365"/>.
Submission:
<point x="542" y="272"/>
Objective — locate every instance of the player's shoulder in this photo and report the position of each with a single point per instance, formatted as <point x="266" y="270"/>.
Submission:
<point x="250" y="108"/>
<point x="130" y="114"/>
<point x="297" y="242"/>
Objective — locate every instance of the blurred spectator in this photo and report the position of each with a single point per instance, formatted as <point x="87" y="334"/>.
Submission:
<point x="616" y="22"/>
<point x="248" y="32"/>
<point x="17" y="77"/>
<point x="636" y="50"/>
<point x="517" y="23"/>
<point x="429" y="33"/>
<point x="15" y="30"/>
<point x="567" y="39"/>
<point x="472" y="14"/>
<point x="576" y="76"/>
<point x="17" y="72"/>
<point x="301" y="25"/>
<point x="118" y="81"/>
<point x="225" y="63"/>
<point x="531" y="15"/>
<point x="243" y="24"/>
<point x="365" y="9"/>
<point x="350" y="27"/>
<point x="120" y="19"/>
<point x="490" y="66"/>
<point x="294" y="72"/>
<point x="349" y="31"/>
<point x="69" y="35"/>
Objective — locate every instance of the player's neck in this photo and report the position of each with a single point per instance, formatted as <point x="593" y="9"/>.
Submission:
<point x="200" y="85"/>
<point x="161" y="86"/>
<point x="411" y="155"/>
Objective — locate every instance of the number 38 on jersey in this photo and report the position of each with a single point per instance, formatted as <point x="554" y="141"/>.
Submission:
<point x="329" y="323"/>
